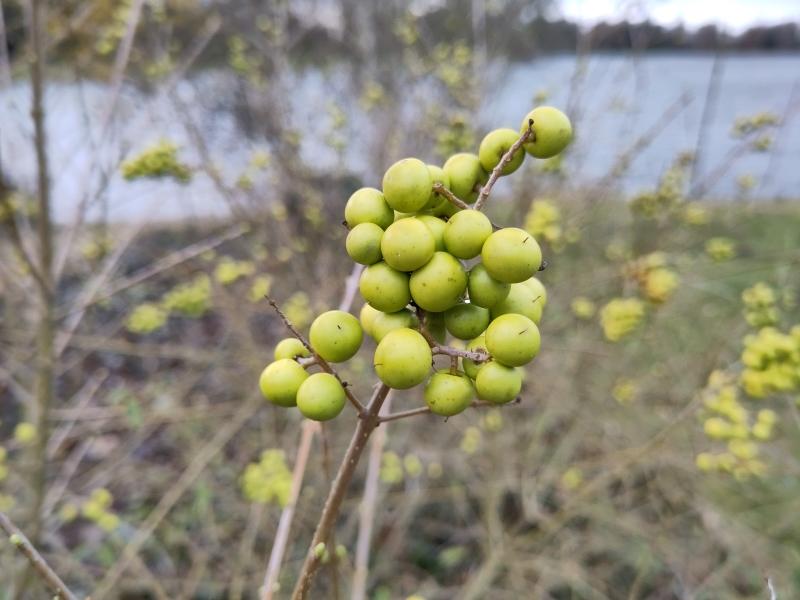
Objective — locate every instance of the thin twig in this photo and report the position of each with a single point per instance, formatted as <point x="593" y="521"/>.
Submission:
<point x="473" y="355"/>
<point x="350" y="288"/>
<point x="773" y="595"/>
<point x="505" y="160"/>
<point x="324" y="365"/>
<point x="424" y="410"/>
<point x="284" y="524"/>
<point x="18" y="539"/>
<point x="440" y="189"/>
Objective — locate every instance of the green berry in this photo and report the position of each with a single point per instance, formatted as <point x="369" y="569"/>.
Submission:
<point x="521" y="300"/>
<point x="290" y="348"/>
<point x="280" y="381"/>
<point x="386" y="322"/>
<point x="321" y="397"/>
<point x="363" y="243"/>
<point x="513" y="339"/>
<point x="385" y="288"/>
<point x="465" y="233"/>
<point x="538" y="289"/>
<point x="440" y="284"/>
<point x="465" y="173"/>
<point x="447" y="394"/>
<point x="466" y="321"/>
<point x="407" y="244"/>
<point x="402" y="359"/>
<point x="367" y="316"/>
<point x="434" y="323"/>
<point x="368" y="205"/>
<point x="437" y="176"/>
<point x="484" y="290"/>
<point x="336" y="335"/>
<point x="495" y="145"/>
<point x="552" y="129"/>
<point x="407" y="185"/>
<point x="498" y="383"/>
<point x="511" y="255"/>
<point x="436" y="226"/>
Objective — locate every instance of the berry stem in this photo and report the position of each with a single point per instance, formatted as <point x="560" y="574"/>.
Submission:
<point x="324" y="364"/>
<point x="425" y="410"/>
<point x="366" y="425"/>
<point x="455" y="200"/>
<point x="506" y="159"/>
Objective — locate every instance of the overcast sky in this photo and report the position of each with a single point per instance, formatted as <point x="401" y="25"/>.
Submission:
<point x="734" y="15"/>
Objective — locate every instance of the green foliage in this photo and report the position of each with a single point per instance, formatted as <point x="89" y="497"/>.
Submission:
<point x="157" y="161"/>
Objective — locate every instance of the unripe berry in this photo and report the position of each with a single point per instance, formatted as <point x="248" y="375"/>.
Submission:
<point x="363" y="243"/>
<point x="465" y="233"/>
<point x="538" y="289"/>
<point x="280" y="381"/>
<point x="386" y="322"/>
<point x="484" y="290"/>
<point x="402" y="359"/>
<point x="336" y="335"/>
<point x="434" y="323"/>
<point x="466" y="321"/>
<point x="385" y="288"/>
<point x="436" y="226"/>
<point x="367" y="316"/>
<point x="511" y="255"/>
<point x="465" y="173"/>
<point x="498" y="383"/>
<point x="447" y="394"/>
<point x="321" y="397"/>
<point x="513" y="340"/>
<point x="407" y="185"/>
<point x="521" y="300"/>
<point x="552" y="129"/>
<point x="495" y="145"/>
<point x="368" y="205"/>
<point x="407" y="244"/>
<point x="437" y="176"/>
<point x="440" y="284"/>
<point x="290" y="348"/>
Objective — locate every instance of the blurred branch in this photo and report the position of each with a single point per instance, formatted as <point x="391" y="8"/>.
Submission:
<point x="5" y="63"/>
<point x="424" y="410"/>
<point x="37" y="562"/>
<point x="505" y="160"/>
<point x="350" y="288"/>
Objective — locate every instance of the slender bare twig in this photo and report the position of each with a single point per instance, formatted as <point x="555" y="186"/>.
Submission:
<point x="366" y="516"/>
<point x="424" y="410"/>
<point x="5" y="63"/>
<point x="505" y="160"/>
<point x="366" y="425"/>
<point x="51" y="579"/>
<point x="473" y="355"/>
<point x="324" y="364"/>
<point x="351" y="287"/>
<point x="773" y="595"/>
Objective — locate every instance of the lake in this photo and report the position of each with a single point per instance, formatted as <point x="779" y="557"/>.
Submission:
<point x="615" y="101"/>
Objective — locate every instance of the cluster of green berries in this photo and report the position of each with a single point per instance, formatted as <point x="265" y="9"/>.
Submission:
<point x="433" y="267"/>
<point x="160" y="160"/>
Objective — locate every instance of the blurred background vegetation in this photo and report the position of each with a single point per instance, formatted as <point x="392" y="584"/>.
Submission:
<point x="164" y="164"/>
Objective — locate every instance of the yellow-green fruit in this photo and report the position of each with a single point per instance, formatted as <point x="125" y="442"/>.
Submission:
<point x="280" y="381"/>
<point x="402" y="359"/>
<point x="484" y="290"/>
<point x="538" y="289"/>
<point x="465" y="233"/>
<point x="495" y="145"/>
<point x="336" y="335"/>
<point x="407" y="244"/>
<point x="385" y="288"/>
<point x="470" y="367"/>
<point x="367" y="316"/>
<point x="321" y="397"/>
<point x="552" y="130"/>
<point x="466" y="321"/>
<point x="290" y="348"/>
<point x="498" y="383"/>
<point x="437" y="176"/>
<point x="513" y="339"/>
<point x="465" y="173"/>
<point x="386" y="322"/>
<point x="368" y="205"/>
<point x="436" y="226"/>
<point x="447" y="394"/>
<point x="511" y="255"/>
<point x="434" y="323"/>
<point x="521" y="300"/>
<point x="403" y="215"/>
<point x="440" y="284"/>
<point x="407" y="185"/>
<point x="363" y="243"/>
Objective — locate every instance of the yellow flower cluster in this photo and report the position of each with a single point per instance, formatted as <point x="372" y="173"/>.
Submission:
<point x="668" y="195"/>
<point x="372" y="95"/>
<point x="229" y="270"/>
<point x="146" y="318"/>
<point x="720" y="248"/>
<point x="572" y="478"/>
<point x="583" y="308"/>
<point x="656" y="281"/>
<point x="191" y="299"/>
<point x="268" y="480"/>
<point x="160" y="160"/>
<point x="96" y="509"/>
<point x="471" y="441"/>
<point x="260" y="288"/>
<point x="760" y="305"/>
<point x="745" y="125"/>
<point x="298" y="309"/>
<point x="695" y="214"/>
<point x="745" y="182"/>
<point x="452" y="66"/>
<point x="544" y="222"/>
<point x="492" y="421"/>
<point x="25" y="433"/>
<point x="624" y="390"/>
<point x="18" y="204"/>
<point x="771" y="362"/>
<point x="456" y="134"/>
<point x="110" y="35"/>
<point x="620" y="317"/>
<point x="394" y="469"/>
<point x="96" y="247"/>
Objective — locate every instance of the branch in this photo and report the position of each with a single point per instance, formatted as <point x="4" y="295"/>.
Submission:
<point x="18" y="539"/>
<point x="505" y="160"/>
<point x="324" y="364"/>
<point x="424" y="410"/>
<point x="440" y="189"/>
<point x="475" y="356"/>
